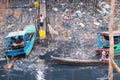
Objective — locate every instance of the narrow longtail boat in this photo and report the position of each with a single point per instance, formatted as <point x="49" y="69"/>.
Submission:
<point x="28" y="36"/>
<point x="103" y="42"/>
<point x="78" y="62"/>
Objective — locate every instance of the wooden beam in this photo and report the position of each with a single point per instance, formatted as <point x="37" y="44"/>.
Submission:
<point x="115" y="66"/>
<point x="111" y="50"/>
<point x="7" y="4"/>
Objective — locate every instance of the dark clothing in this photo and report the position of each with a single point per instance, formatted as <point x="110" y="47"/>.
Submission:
<point x="41" y="24"/>
<point x="17" y="40"/>
<point x="17" y="47"/>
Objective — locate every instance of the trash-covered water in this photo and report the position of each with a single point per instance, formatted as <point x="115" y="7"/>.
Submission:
<point x="81" y="26"/>
<point x="51" y="71"/>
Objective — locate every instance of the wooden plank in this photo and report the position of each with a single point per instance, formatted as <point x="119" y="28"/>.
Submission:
<point x="17" y="13"/>
<point x="58" y="16"/>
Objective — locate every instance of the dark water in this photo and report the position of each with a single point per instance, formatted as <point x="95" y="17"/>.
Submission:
<point x="77" y="73"/>
<point x="26" y="69"/>
<point x="59" y="73"/>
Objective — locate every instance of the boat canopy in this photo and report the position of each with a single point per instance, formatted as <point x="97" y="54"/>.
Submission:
<point x="115" y="33"/>
<point x="16" y="33"/>
<point x="30" y="28"/>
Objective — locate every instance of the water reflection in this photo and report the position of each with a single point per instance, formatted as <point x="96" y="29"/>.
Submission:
<point x="40" y="75"/>
<point x="63" y="72"/>
<point x="37" y="70"/>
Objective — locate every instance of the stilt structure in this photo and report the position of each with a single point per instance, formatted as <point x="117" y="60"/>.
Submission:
<point x="112" y="63"/>
<point x="115" y="66"/>
<point x="111" y="53"/>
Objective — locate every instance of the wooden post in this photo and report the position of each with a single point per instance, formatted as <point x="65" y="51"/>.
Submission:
<point x="111" y="50"/>
<point x="29" y="3"/>
<point x="73" y="2"/>
<point x="95" y="5"/>
<point x="38" y="12"/>
<point x="7" y="4"/>
<point x="115" y="66"/>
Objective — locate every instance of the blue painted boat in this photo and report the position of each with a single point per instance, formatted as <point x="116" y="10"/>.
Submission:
<point x="28" y="36"/>
<point x="103" y="42"/>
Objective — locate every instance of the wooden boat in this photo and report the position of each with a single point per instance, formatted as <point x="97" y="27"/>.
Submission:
<point x="103" y="42"/>
<point x="28" y="36"/>
<point x="66" y="61"/>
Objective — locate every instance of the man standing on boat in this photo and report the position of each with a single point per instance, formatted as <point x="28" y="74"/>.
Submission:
<point x="41" y="21"/>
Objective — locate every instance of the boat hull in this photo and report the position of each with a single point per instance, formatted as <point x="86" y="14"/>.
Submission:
<point x="66" y="61"/>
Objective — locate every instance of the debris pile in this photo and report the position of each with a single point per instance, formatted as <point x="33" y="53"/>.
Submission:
<point x="75" y="28"/>
<point x="81" y="26"/>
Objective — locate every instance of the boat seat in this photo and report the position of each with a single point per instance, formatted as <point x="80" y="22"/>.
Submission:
<point x="18" y="47"/>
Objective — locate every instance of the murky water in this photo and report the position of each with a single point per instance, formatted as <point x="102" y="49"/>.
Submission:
<point x="40" y="71"/>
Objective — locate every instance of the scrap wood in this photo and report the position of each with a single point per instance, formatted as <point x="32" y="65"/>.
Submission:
<point x="9" y="64"/>
<point x="17" y="13"/>
<point x="59" y="18"/>
<point x="115" y="66"/>
<point x="59" y="26"/>
<point x="52" y="30"/>
<point x="63" y="30"/>
<point x="87" y="36"/>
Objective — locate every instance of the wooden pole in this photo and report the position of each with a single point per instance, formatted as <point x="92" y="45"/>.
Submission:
<point x="29" y="3"/>
<point x="111" y="53"/>
<point x="38" y="12"/>
<point x="115" y="66"/>
<point x="73" y="2"/>
<point x="7" y="4"/>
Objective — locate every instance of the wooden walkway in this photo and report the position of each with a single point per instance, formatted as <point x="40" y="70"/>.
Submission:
<point x="43" y="8"/>
<point x="43" y="12"/>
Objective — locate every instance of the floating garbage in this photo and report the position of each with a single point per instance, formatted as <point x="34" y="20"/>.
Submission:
<point x="82" y="28"/>
<point x="79" y="13"/>
<point x="3" y="75"/>
<point x="81" y="24"/>
<point x="96" y="23"/>
<point x="55" y="9"/>
<point x="30" y="9"/>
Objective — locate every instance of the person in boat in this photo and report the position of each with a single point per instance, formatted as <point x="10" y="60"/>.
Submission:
<point x="104" y="57"/>
<point x="17" y="42"/>
<point x="116" y="40"/>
